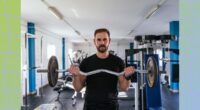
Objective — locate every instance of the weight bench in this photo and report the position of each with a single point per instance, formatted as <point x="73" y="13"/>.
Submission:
<point x="68" y="84"/>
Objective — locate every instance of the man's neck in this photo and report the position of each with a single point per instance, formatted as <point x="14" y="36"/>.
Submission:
<point x="102" y="55"/>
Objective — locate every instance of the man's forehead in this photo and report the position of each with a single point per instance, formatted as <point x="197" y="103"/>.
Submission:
<point x="102" y="35"/>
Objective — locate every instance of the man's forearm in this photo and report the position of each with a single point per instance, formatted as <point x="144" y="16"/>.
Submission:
<point x="78" y="83"/>
<point x="123" y="83"/>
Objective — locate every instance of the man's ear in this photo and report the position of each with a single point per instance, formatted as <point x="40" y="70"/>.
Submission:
<point x="109" y="40"/>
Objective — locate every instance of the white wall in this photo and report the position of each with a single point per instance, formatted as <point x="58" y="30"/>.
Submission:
<point x="68" y="46"/>
<point x="48" y="39"/>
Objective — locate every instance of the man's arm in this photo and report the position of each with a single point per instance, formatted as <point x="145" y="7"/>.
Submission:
<point x="79" y="82"/>
<point x="123" y="83"/>
<point x="78" y="79"/>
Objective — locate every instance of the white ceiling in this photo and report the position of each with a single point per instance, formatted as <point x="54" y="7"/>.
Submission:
<point x="119" y="16"/>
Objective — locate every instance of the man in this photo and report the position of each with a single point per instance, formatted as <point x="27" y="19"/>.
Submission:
<point x="101" y="88"/>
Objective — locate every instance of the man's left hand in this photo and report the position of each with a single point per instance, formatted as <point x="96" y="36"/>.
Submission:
<point x="128" y="71"/>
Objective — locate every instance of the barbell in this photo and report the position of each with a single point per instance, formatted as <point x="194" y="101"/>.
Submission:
<point x="53" y="70"/>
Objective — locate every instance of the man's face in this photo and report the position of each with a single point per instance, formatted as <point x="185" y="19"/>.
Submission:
<point x="102" y="42"/>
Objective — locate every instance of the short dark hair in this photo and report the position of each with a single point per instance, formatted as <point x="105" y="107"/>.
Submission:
<point x="102" y="30"/>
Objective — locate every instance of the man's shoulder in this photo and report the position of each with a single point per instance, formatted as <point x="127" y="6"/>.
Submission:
<point x="89" y="58"/>
<point x="116" y="57"/>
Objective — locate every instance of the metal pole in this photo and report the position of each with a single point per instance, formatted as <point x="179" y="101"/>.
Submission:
<point x="136" y="96"/>
<point x="41" y="93"/>
<point x="26" y="97"/>
<point x="142" y="83"/>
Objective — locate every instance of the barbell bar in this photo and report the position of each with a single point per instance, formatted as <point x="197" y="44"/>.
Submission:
<point x="46" y="70"/>
<point x="152" y="71"/>
<point x="92" y="72"/>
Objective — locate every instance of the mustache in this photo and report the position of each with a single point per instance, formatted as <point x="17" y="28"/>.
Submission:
<point x="102" y="46"/>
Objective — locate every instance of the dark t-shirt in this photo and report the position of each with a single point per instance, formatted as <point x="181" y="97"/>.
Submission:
<point x="101" y="87"/>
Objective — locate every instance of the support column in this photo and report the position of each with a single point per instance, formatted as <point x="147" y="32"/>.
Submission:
<point x="163" y="62"/>
<point x="31" y="58"/>
<point x="63" y="55"/>
<point x="131" y="53"/>
<point x="174" y="30"/>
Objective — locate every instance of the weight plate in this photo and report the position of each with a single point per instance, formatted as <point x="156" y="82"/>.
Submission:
<point x="52" y="71"/>
<point x="152" y="71"/>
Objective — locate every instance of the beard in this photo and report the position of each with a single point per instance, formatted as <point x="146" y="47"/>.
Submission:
<point x="102" y="48"/>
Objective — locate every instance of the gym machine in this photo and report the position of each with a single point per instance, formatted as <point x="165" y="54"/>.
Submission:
<point x="149" y="84"/>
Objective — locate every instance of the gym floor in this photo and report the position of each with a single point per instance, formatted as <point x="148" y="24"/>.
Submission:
<point x="170" y="101"/>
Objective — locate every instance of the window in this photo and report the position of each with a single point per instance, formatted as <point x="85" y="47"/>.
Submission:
<point x="159" y="52"/>
<point x="51" y="50"/>
<point x="70" y="51"/>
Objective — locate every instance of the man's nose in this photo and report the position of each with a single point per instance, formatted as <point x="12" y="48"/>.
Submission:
<point x="101" y="42"/>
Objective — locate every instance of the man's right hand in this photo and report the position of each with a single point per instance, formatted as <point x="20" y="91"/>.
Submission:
<point x="79" y="81"/>
<point x="74" y="70"/>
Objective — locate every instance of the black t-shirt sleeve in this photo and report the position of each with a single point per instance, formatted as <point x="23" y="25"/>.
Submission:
<point x="121" y="65"/>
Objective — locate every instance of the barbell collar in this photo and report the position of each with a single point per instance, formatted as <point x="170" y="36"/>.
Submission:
<point x="141" y="71"/>
<point x="62" y="71"/>
<point x="42" y="70"/>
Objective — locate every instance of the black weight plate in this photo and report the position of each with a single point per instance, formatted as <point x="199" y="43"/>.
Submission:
<point x="152" y="71"/>
<point x="52" y="71"/>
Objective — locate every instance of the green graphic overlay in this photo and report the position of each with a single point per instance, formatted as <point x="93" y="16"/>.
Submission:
<point x="10" y="67"/>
